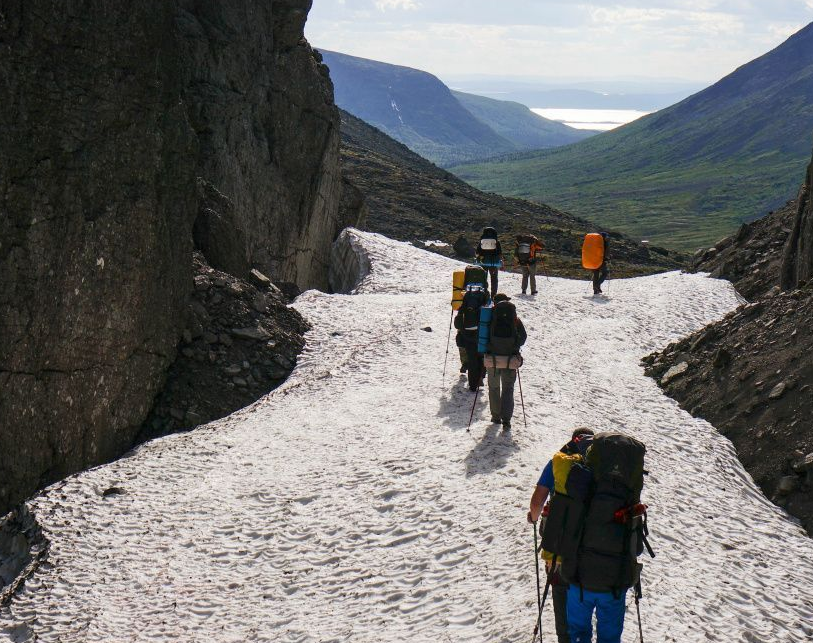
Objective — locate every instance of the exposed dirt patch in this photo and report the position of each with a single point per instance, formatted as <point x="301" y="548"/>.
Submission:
<point x="241" y="342"/>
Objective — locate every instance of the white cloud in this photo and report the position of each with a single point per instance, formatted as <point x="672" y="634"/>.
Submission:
<point x="784" y="30"/>
<point x="406" y="5"/>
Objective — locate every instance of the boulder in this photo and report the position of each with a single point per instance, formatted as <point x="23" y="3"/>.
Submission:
<point x="676" y="371"/>
<point x="462" y="248"/>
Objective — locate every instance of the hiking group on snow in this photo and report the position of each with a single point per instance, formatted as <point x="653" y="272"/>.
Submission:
<point x="587" y="503"/>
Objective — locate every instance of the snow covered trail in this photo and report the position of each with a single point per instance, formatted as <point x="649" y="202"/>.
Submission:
<point x="351" y="505"/>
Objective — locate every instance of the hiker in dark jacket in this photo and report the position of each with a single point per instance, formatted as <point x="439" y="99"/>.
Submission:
<point x="544" y="488"/>
<point x="489" y="255"/>
<point x="467" y="338"/>
<point x="600" y="274"/>
<point x="501" y="380"/>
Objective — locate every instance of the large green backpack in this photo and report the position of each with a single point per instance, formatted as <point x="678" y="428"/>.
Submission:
<point x="597" y="529"/>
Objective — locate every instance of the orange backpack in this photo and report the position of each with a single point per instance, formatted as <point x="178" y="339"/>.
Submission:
<point x="593" y="251"/>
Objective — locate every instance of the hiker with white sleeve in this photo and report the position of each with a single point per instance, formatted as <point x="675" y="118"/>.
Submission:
<point x="489" y="255"/>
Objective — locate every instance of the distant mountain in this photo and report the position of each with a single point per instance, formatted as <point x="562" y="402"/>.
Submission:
<point x="410" y="199"/>
<point x="639" y="96"/>
<point x="417" y="109"/>
<point x="689" y="174"/>
<point x="519" y="124"/>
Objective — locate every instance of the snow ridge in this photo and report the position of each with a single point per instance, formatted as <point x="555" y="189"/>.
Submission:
<point x="351" y="505"/>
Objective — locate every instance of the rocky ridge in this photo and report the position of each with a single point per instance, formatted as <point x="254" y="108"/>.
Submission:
<point x="751" y="374"/>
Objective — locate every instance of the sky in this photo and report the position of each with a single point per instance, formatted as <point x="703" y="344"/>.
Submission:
<point x="698" y="40"/>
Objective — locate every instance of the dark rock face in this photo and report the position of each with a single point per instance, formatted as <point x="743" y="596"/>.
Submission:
<point x="751" y="376"/>
<point x="797" y="264"/>
<point x="127" y="131"/>
<point x="262" y="108"/>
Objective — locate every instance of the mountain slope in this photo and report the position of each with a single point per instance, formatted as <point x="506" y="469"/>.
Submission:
<point x="410" y="199"/>
<point x="413" y="107"/>
<point x="351" y="504"/>
<point x="417" y="109"/>
<point x="519" y="124"/>
<point x="688" y="174"/>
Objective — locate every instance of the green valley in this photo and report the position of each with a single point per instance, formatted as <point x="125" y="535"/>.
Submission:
<point x="689" y="174"/>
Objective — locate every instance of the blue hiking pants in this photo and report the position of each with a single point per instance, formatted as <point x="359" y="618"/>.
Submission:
<point x="609" y="615"/>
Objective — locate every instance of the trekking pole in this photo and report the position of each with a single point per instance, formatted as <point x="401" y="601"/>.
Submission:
<point x="638" y="595"/>
<point x="476" y="393"/>
<point x="538" y="627"/>
<point x="448" y="337"/>
<point x="538" y="594"/>
<point x="544" y="271"/>
<point x="522" y="400"/>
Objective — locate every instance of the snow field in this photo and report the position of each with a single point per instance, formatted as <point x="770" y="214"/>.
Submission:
<point x="351" y="505"/>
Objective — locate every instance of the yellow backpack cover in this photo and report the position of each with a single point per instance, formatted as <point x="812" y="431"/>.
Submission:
<point x="458" y="288"/>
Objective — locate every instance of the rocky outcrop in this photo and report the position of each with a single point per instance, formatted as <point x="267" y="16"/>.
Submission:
<point x="751" y="258"/>
<point x="797" y="264"/>
<point x="241" y="341"/>
<point x="129" y="133"/>
<point x="751" y="376"/>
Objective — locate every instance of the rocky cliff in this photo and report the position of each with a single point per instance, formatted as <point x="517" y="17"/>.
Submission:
<point x="132" y="133"/>
<point x="751" y="374"/>
<point x="797" y="262"/>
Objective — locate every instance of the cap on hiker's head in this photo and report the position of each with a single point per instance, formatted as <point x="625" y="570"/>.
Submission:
<point x="501" y="297"/>
<point x="582" y="430"/>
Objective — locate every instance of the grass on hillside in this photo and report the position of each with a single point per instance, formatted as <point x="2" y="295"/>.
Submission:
<point x="682" y="207"/>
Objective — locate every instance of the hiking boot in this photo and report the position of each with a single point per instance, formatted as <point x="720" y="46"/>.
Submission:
<point x="506" y="425"/>
<point x="464" y="368"/>
<point x="523" y="292"/>
<point x="495" y="420"/>
<point x="533" y="292"/>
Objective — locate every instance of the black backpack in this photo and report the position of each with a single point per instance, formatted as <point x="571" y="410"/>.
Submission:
<point x="475" y="276"/>
<point x="503" y="338"/>
<point x="473" y="301"/>
<point x="597" y="529"/>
